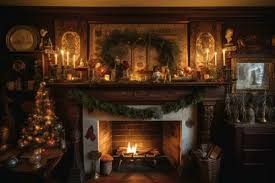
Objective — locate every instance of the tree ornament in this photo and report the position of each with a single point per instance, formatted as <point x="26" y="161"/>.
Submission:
<point x="48" y="122"/>
<point x="11" y="163"/>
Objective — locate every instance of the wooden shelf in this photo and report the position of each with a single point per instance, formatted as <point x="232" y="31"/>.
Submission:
<point x="136" y="84"/>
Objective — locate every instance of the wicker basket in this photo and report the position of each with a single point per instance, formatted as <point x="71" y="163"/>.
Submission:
<point x="209" y="169"/>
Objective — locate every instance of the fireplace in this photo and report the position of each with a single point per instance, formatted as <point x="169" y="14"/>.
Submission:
<point x="168" y="137"/>
<point x="194" y="121"/>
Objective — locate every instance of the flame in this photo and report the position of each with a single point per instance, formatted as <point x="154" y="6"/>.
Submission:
<point x="132" y="149"/>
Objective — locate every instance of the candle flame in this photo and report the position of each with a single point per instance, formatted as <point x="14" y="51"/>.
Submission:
<point x="132" y="149"/>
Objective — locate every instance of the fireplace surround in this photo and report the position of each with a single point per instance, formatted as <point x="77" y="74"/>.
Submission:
<point x="78" y="119"/>
<point x="169" y="135"/>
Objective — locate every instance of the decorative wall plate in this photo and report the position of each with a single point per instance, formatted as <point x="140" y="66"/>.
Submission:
<point x="22" y="38"/>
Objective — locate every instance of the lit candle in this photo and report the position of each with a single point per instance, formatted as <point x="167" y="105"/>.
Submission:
<point x="68" y="58"/>
<point x="223" y="56"/>
<point x="107" y="77"/>
<point x="207" y="54"/>
<point x="215" y="58"/>
<point x="62" y="55"/>
<point x="69" y="76"/>
<point x="74" y="61"/>
<point x="55" y="59"/>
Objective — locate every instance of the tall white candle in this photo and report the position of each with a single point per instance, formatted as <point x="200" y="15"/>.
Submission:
<point x="207" y="54"/>
<point x="55" y="59"/>
<point x="74" y="61"/>
<point x="215" y="58"/>
<point x="68" y="58"/>
<point x="62" y="55"/>
<point x="223" y="56"/>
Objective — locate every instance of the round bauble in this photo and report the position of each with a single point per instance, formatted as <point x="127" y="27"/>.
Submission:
<point x="11" y="163"/>
<point x="48" y="122"/>
<point x="42" y="84"/>
<point x="29" y="138"/>
<point x="58" y="126"/>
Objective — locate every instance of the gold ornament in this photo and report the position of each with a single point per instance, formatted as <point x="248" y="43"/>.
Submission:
<point x="48" y="122"/>
<point x="37" y="127"/>
<point x="48" y="117"/>
<point x="51" y="142"/>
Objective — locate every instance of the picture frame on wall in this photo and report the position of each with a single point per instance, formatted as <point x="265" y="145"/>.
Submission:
<point x="141" y="58"/>
<point x="253" y="73"/>
<point x="252" y="76"/>
<point x="71" y="36"/>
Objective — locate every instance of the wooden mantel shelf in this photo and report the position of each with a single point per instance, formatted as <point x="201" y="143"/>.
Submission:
<point x="139" y="85"/>
<point x="141" y="92"/>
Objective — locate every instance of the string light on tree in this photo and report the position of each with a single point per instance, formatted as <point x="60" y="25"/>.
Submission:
<point x="43" y="128"/>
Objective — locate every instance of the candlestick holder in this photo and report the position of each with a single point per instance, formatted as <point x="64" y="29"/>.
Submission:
<point x="227" y="74"/>
<point x="63" y="72"/>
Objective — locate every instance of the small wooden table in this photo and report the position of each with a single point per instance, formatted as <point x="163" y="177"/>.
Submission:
<point x="50" y="158"/>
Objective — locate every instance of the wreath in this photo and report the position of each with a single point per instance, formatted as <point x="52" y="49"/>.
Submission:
<point x="167" y="50"/>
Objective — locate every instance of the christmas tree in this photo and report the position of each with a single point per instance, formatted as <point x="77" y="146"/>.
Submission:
<point x="43" y="128"/>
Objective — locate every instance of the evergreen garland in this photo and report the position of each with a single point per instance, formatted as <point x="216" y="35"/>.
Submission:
<point x="147" y="113"/>
<point x="166" y="49"/>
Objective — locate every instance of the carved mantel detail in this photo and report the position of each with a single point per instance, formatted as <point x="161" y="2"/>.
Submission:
<point x="206" y="120"/>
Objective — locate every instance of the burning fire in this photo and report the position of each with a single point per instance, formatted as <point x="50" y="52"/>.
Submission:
<point x="132" y="149"/>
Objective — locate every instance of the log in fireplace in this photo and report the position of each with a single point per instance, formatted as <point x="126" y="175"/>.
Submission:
<point x="77" y="119"/>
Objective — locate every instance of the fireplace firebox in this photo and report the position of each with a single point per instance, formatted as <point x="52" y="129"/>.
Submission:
<point x="129" y="141"/>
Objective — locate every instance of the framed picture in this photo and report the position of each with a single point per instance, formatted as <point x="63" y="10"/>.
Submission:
<point x="141" y="58"/>
<point x="253" y="73"/>
<point x="205" y="36"/>
<point x="71" y="35"/>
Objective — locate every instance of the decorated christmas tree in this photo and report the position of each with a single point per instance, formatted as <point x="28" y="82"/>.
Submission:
<point x="42" y="127"/>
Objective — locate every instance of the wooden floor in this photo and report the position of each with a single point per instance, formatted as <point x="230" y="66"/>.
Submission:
<point x="143" y="174"/>
<point x="136" y="177"/>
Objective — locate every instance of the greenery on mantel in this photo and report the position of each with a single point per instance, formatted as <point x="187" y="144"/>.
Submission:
<point x="167" y="50"/>
<point x="92" y="103"/>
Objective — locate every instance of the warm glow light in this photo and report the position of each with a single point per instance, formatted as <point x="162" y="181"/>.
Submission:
<point x="62" y="54"/>
<point x="107" y="77"/>
<point x="207" y="54"/>
<point x="74" y="61"/>
<point x="68" y="53"/>
<point x="215" y="58"/>
<point x="55" y="59"/>
<point x="131" y="149"/>
<point x="223" y="56"/>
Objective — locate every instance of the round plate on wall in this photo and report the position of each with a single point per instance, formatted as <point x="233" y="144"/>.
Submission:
<point x="22" y="38"/>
